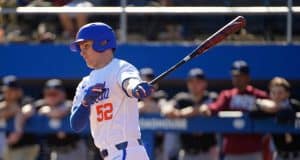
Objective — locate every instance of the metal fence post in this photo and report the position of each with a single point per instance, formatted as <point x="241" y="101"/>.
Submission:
<point x="289" y="22"/>
<point x="123" y="22"/>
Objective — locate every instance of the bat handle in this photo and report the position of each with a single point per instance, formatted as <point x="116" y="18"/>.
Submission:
<point x="155" y="80"/>
<point x="167" y="72"/>
<point x="158" y="78"/>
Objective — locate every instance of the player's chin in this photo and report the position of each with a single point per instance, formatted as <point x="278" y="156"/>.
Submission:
<point x="89" y="64"/>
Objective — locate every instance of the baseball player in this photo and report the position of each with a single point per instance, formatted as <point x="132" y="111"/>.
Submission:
<point x="107" y="97"/>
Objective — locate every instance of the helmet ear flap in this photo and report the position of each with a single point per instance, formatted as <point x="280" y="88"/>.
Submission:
<point x="96" y="46"/>
<point x="101" y="46"/>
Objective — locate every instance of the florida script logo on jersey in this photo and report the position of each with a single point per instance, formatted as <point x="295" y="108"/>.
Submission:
<point x="105" y="92"/>
<point x="104" y="111"/>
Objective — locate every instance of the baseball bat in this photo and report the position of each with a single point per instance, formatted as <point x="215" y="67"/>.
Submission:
<point x="233" y="26"/>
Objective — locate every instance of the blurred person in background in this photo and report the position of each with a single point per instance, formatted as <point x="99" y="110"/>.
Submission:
<point x="12" y="29"/>
<point x="81" y="19"/>
<point x="195" y="146"/>
<point x="287" y="145"/>
<point x="19" y="144"/>
<point x="152" y="105"/>
<point x="2" y="35"/>
<point x="9" y="18"/>
<point x="242" y="97"/>
<point x="147" y="74"/>
<point x="37" y="28"/>
<point x="44" y="34"/>
<point x="150" y="2"/>
<point x="54" y="105"/>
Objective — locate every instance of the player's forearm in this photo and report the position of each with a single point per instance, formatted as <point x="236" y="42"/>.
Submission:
<point x="79" y="118"/>
<point x="134" y="87"/>
<point x="129" y="84"/>
<point x="189" y="112"/>
<point x="266" y="105"/>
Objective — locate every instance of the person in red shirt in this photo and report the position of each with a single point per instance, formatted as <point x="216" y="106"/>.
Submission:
<point x="242" y="97"/>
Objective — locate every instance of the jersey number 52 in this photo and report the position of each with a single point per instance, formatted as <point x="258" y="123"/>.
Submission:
<point x="104" y="111"/>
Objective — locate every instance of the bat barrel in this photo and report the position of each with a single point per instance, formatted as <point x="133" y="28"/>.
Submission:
<point x="231" y="27"/>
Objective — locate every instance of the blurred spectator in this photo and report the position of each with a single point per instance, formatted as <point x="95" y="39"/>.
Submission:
<point x="22" y="2"/>
<point x="60" y="2"/>
<point x="288" y="144"/>
<point x="60" y="145"/>
<point x="162" y="2"/>
<point x="2" y="35"/>
<point x="45" y="24"/>
<point x="147" y="74"/>
<point x="173" y="32"/>
<point x="137" y="2"/>
<point x="43" y="34"/>
<point x="39" y="3"/>
<point x="244" y="35"/>
<point x="153" y="104"/>
<point x="11" y="18"/>
<point x="67" y="20"/>
<point x="1" y="96"/>
<point x="150" y="2"/>
<point x="16" y="35"/>
<point x="243" y="97"/>
<point x="20" y="145"/>
<point x="11" y="29"/>
<point x="197" y="145"/>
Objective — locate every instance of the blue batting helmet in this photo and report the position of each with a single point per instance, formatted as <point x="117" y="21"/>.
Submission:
<point x="101" y="34"/>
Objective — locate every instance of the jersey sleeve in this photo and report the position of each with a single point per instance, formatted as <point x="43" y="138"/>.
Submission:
<point x="221" y="102"/>
<point x="79" y="114"/>
<point x="261" y="94"/>
<point x="79" y="94"/>
<point x="126" y="72"/>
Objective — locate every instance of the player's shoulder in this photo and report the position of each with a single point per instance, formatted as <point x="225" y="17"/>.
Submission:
<point x="228" y="92"/>
<point x="257" y="91"/>
<point x="83" y="81"/>
<point x="123" y="64"/>
<point x="85" y="78"/>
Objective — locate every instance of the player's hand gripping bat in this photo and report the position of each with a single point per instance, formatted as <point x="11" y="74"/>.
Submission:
<point x="230" y="28"/>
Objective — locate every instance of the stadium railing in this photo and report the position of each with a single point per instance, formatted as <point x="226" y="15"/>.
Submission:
<point x="224" y="122"/>
<point x="124" y="11"/>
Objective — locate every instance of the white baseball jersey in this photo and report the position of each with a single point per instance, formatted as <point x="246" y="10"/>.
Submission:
<point x="114" y="118"/>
